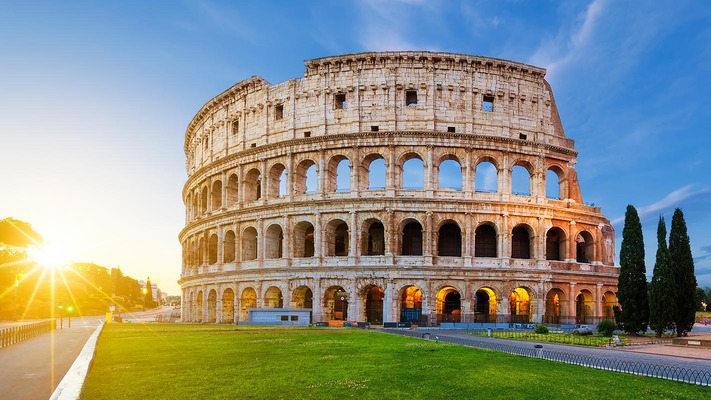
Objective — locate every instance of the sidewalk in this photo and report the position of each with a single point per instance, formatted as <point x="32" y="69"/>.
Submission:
<point x="32" y="369"/>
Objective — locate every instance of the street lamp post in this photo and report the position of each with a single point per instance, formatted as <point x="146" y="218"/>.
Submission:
<point x="61" y="317"/>
<point x="69" y="315"/>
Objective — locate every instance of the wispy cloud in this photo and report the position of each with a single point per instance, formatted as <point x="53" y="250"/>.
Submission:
<point x="672" y="199"/>
<point x="385" y="24"/>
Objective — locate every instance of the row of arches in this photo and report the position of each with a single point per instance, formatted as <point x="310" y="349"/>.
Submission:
<point x="411" y="172"/>
<point x="336" y="239"/>
<point x="410" y="304"/>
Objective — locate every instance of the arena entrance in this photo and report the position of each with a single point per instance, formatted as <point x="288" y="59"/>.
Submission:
<point x="248" y="300"/>
<point x="303" y="297"/>
<point x="485" y="310"/>
<point x="584" y="307"/>
<point x="555" y="304"/>
<point x="374" y="304"/>
<point x="335" y="304"/>
<point x="228" y="306"/>
<point x="520" y="305"/>
<point x="411" y="304"/>
<point x="449" y="306"/>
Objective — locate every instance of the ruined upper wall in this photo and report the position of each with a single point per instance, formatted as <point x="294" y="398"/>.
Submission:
<point x="368" y="91"/>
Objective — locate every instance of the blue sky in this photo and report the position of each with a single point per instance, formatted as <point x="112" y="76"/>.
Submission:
<point x="95" y="98"/>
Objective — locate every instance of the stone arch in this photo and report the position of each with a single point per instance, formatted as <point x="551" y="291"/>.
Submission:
<point x="373" y="172"/>
<point x="339" y="174"/>
<point x="412" y="171"/>
<point x="232" y="190"/>
<point x="306" y="177"/>
<point x="373" y="242"/>
<point x="247" y="300"/>
<point x="303" y="297"/>
<point x="449" y="173"/>
<point x="274" y="246"/>
<point x="228" y="306"/>
<point x="303" y="241"/>
<point x="520" y="301"/>
<point x="273" y="298"/>
<point x="193" y="307"/>
<point x="372" y="297"/>
<point x="277" y="181"/>
<point x="216" y="195"/>
<point x="335" y="307"/>
<point x="411" y="237"/>
<point x="337" y="238"/>
<point x="201" y="251"/>
<point x="556" y="183"/>
<point x="212" y="250"/>
<point x="252" y="185"/>
<point x="249" y="244"/>
<point x="449" y="240"/>
<point x="521" y="182"/>
<point x="522" y="242"/>
<point x="485" y="243"/>
<point x="556" y="244"/>
<point x="556" y="304"/>
<point x="608" y="245"/>
<point x="609" y="300"/>
<point x="228" y="246"/>
<point x="212" y="307"/>
<point x="203" y="200"/>
<point x="584" y="247"/>
<point x="198" y="315"/>
<point x="584" y="307"/>
<point x="449" y="304"/>
<point x="486" y="176"/>
<point x="410" y="304"/>
<point x="485" y="309"/>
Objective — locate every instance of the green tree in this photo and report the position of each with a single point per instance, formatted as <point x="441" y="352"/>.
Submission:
<point x="148" y="296"/>
<point x="662" y="305"/>
<point x="701" y="299"/>
<point x="632" y="284"/>
<point x="683" y="266"/>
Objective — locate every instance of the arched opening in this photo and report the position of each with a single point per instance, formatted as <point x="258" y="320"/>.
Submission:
<point x="374" y="238"/>
<point x="232" y="190"/>
<point x="411" y="304"/>
<point x="212" y="307"/>
<point x="584" y="247"/>
<point x="198" y="315"/>
<point x="485" y="241"/>
<point x="203" y="200"/>
<point x="273" y="298"/>
<point x="375" y="170"/>
<point x="249" y="244"/>
<point x="584" y="307"/>
<point x="374" y="305"/>
<point x="555" y="307"/>
<point x="450" y="175"/>
<point x="485" y="310"/>
<point x="520" y="306"/>
<point x="609" y="300"/>
<point x="553" y="184"/>
<point x="339" y="174"/>
<point x="277" y="181"/>
<point x="555" y="244"/>
<point x="275" y="242"/>
<point x="335" y="304"/>
<point x="412" y="239"/>
<point x="337" y="240"/>
<point x="486" y="178"/>
<point x="228" y="306"/>
<point x="520" y="181"/>
<point x="248" y="300"/>
<point x="216" y="195"/>
<point x="449" y="242"/>
<point x="303" y="240"/>
<point x="306" y="178"/>
<point x="229" y="247"/>
<point x="212" y="250"/>
<point x="201" y="252"/>
<point x="520" y="243"/>
<point x="189" y="210"/>
<point x="253" y="185"/>
<point x="413" y="173"/>
<point x="196" y="205"/>
<point x="449" y="307"/>
<point x="303" y="297"/>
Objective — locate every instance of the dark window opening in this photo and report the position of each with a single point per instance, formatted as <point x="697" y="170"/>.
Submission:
<point x="307" y="134"/>
<point x="520" y="243"/>
<point x="284" y="317"/>
<point x="235" y="127"/>
<point x="451" y="129"/>
<point x="340" y="101"/>
<point x="279" y="111"/>
<point x="294" y="317"/>
<point x="411" y="98"/>
<point x="522" y="136"/>
<point x="253" y="145"/>
<point x="485" y="241"/>
<point x="488" y="103"/>
<point x="374" y="128"/>
<point x="412" y="239"/>
<point x="450" y="240"/>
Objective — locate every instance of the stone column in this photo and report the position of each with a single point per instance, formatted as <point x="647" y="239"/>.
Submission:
<point x="429" y="169"/>
<point x="571" y="302"/>
<point x="354" y="305"/>
<point x="468" y="240"/>
<point x="388" y="301"/>
<point x="317" y="309"/>
<point x="353" y="237"/>
<point x="355" y="171"/>
<point x="597" y="309"/>
<point x="318" y="239"/>
<point x="572" y="250"/>
<point x="468" y="176"/>
<point x="218" y="306"/>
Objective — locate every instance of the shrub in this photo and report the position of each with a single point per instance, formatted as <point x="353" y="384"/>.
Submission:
<point x="542" y="329"/>
<point x="606" y="327"/>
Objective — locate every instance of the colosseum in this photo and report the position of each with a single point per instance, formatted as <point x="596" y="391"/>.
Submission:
<point x="414" y="187"/>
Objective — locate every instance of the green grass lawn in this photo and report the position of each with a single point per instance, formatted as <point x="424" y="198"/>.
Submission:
<point x="595" y="340"/>
<point x="137" y="361"/>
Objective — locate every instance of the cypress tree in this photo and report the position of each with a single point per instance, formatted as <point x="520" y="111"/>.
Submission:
<point x="662" y="304"/>
<point x="632" y="284"/>
<point x="148" y="297"/>
<point x="683" y="266"/>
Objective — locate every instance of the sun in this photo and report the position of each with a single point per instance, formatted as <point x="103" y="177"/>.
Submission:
<point x="50" y="255"/>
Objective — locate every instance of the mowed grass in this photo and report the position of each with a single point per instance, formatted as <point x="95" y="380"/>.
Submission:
<point x="137" y="361"/>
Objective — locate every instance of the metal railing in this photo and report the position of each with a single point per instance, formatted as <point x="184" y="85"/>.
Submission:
<point x="674" y="373"/>
<point x="16" y="334"/>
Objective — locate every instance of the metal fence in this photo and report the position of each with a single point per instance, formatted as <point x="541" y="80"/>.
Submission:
<point x="15" y="334"/>
<point x="673" y="373"/>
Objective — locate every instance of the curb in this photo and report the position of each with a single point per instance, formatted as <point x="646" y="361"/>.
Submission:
<point x="72" y="384"/>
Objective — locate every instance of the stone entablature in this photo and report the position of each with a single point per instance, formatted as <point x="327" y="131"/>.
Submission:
<point x="395" y="170"/>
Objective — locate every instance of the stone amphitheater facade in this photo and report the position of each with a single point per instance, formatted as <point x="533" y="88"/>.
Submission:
<point x="398" y="186"/>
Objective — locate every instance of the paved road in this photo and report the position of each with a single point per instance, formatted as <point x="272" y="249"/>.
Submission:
<point x="32" y="369"/>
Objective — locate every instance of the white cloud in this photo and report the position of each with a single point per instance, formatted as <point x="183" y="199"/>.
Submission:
<point x="669" y="201"/>
<point x="385" y="24"/>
